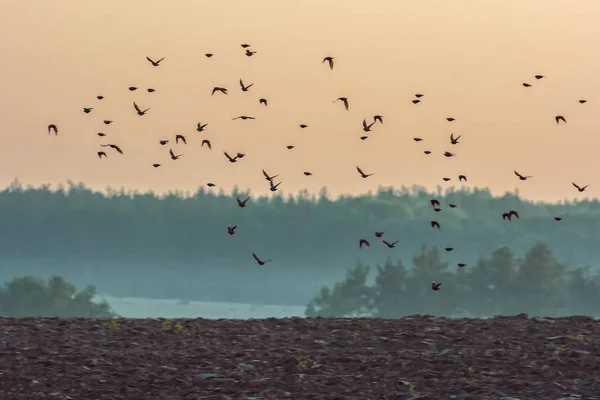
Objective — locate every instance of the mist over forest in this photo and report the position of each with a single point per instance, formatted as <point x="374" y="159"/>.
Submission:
<point x="177" y="245"/>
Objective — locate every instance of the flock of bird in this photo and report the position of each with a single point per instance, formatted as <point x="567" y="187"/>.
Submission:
<point x="366" y="127"/>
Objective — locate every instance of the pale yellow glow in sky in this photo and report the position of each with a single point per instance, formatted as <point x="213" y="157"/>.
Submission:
<point x="469" y="58"/>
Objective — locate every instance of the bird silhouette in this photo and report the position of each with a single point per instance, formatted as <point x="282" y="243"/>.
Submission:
<point x="362" y="174"/>
<point x="258" y="260"/>
<point x="53" y="127"/>
<point x="580" y="189"/>
<point x="113" y="146"/>
<point x="521" y="177"/>
<point x="241" y="203"/>
<point x="218" y="89"/>
<point x="207" y="143"/>
<point x="244" y="87"/>
<point x="329" y="60"/>
<point x="268" y="177"/>
<point x="173" y="155"/>
<point x="343" y="100"/>
<point x="139" y="110"/>
<point x="154" y="63"/>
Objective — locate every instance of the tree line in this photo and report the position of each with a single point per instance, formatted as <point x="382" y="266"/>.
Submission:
<point x="500" y="284"/>
<point x="91" y="236"/>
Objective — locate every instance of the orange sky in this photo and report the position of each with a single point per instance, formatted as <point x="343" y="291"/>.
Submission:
<point x="469" y="58"/>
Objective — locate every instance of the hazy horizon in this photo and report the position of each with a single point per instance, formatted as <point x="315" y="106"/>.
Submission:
<point x="468" y="58"/>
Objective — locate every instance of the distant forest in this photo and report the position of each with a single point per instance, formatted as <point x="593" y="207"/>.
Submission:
<point x="177" y="245"/>
<point x="499" y="284"/>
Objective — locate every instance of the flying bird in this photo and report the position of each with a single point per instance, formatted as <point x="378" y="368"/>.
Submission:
<point x="150" y="90"/>
<point x="132" y="88"/>
<point x="241" y="203"/>
<point x="435" y="224"/>
<point x="53" y="127"/>
<point x="390" y="245"/>
<point x="454" y="140"/>
<point x="250" y="53"/>
<point x="364" y="242"/>
<point x="207" y="143"/>
<point x="343" y="100"/>
<point x="100" y="154"/>
<point x="329" y="60"/>
<point x="448" y="154"/>
<point x="87" y="110"/>
<point x="200" y="127"/>
<point x="209" y="55"/>
<point x="434" y="202"/>
<point x="289" y="147"/>
<point x="417" y="139"/>
<point x="448" y="248"/>
<point x="539" y="76"/>
<point x="245" y="45"/>
<point x="307" y="173"/>
<point x="154" y="63"/>
<point x="180" y="137"/>
<point x="510" y="214"/>
<point x="268" y="177"/>
<point x="156" y="165"/>
<point x="378" y="118"/>
<point x="101" y="134"/>
<point x="163" y="142"/>
<point x="462" y="178"/>
<point x="244" y="87"/>
<point x="173" y="156"/>
<point x="139" y="110"/>
<point x="526" y="84"/>
<point x="362" y="174"/>
<point x="273" y="187"/>
<point x="100" y="97"/>
<point x="521" y="177"/>
<point x="210" y="184"/>
<point x="367" y="128"/>
<point x="559" y="118"/>
<point x="582" y="101"/>
<point x="450" y="119"/>
<point x="263" y="101"/>
<point x="219" y="89"/>
<point x="302" y="126"/>
<point x="107" y="122"/>
<point x="231" y="229"/>
<point x="580" y="189"/>
<point x="231" y="160"/>
<point x="113" y="146"/>
<point x="379" y="234"/>
<point x="416" y="101"/>
<point x="436" y="286"/>
<point x="244" y="117"/>
<point x="258" y="260"/>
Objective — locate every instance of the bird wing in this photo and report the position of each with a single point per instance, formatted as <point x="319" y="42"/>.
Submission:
<point x="149" y="59"/>
<point x="160" y="60"/>
<point x="266" y="175"/>
<point x="574" y="184"/>
<point x="136" y="107"/>
<point x="256" y="257"/>
<point x="360" y="171"/>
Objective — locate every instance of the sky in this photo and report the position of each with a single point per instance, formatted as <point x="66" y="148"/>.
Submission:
<point x="468" y="57"/>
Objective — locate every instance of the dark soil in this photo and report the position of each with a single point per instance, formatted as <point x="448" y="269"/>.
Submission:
<point x="414" y="357"/>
